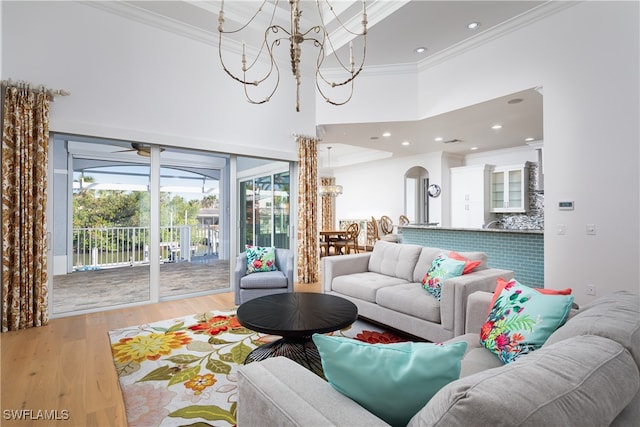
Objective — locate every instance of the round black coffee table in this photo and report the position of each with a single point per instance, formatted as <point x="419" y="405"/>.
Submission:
<point x="296" y="317"/>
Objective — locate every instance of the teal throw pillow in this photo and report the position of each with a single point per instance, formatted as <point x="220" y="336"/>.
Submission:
<point x="442" y="268"/>
<point x="521" y="319"/>
<point x="260" y="259"/>
<point x="392" y="381"/>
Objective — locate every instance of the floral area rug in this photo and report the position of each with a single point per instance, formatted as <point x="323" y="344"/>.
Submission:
<point x="183" y="372"/>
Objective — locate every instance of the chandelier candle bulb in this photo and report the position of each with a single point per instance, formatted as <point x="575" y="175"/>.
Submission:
<point x="351" y="61"/>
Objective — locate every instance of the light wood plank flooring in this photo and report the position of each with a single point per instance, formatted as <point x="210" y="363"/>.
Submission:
<point x="67" y="364"/>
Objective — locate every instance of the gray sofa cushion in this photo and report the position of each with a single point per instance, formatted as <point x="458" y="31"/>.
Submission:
<point x="364" y="285"/>
<point x="582" y="381"/>
<point x="613" y="316"/>
<point x="264" y="280"/>
<point x="411" y="299"/>
<point x="394" y="260"/>
<point x="427" y="255"/>
<point x="477" y="358"/>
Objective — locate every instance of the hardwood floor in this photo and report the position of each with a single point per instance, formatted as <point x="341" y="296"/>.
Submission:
<point x="66" y="366"/>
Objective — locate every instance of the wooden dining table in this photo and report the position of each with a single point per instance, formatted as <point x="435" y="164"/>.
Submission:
<point x="328" y="235"/>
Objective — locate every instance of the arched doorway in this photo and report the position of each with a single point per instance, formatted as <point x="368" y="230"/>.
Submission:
<point x="416" y="199"/>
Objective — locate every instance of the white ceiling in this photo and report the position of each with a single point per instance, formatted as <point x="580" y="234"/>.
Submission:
<point x="395" y="29"/>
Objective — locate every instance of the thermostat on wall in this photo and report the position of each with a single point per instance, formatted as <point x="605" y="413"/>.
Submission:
<point x="565" y="205"/>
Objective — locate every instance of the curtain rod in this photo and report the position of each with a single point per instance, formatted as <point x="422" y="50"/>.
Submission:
<point x="52" y="93"/>
<point x="298" y="135"/>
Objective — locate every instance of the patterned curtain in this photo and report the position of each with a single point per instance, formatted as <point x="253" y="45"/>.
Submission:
<point x="327" y="221"/>
<point x="307" y="210"/>
<point x="25" y="141"/>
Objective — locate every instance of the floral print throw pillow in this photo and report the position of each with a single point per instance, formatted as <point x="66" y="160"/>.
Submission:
<point x="260" y="259"/>
<point x="442" y="268"/>
<point x="521" y="320"/>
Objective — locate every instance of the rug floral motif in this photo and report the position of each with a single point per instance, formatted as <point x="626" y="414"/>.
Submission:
<point x="183" y="372"/>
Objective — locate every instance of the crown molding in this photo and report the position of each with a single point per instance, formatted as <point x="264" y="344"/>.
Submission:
<point x="380" y="10"/>
<point x="540" y="12"/>
<point x="145" y="16"/>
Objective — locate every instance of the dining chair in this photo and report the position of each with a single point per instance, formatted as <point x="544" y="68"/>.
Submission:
<point x="386" y="225"/>
<point x="350" y="240"/>
<point x="385" y="229"/>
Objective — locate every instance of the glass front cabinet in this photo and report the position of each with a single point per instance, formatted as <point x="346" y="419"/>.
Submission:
<point x="510" y="189"/>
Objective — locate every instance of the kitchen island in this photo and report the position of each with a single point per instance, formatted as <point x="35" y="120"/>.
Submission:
<point x="519" y="250"/>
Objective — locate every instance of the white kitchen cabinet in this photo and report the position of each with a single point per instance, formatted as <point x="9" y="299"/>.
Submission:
<point x="510" y="189"/>
<point x="470" y="196"/>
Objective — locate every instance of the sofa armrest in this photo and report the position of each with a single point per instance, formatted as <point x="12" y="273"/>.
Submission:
<point x="284" y="262"/>
<point x="280" y="392"/>
<point x="334" y="266"/>
<point x="477" y="311"/>
<point x="456" y="291"/>
<point x="238" y="273"/>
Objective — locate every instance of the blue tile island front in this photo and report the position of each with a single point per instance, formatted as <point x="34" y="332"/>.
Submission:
<point x="519" y="250"/>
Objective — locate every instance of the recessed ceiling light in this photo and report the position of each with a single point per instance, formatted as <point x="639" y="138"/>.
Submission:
<point x="438" y="139"/>
<point x="473" y="25"/>
<point x="405" y="143"/>
<point x="473" y="148"/>
<point x="420" y="49"/>
<point x="529" y="139"/>
<point x="373" y="138"/>
<point x="386" y="134"/>
<point x="496" y="127"/>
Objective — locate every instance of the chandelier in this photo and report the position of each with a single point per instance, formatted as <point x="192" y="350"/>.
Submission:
<point x="275" y="34"/>
<point x="332" y="190"/>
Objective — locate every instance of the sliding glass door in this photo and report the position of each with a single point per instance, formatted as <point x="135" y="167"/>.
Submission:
<point x="135" y="223"/>
<point x="193" y="226"/>
<point x="265" y="210"/>
<point x="101" y="227"/>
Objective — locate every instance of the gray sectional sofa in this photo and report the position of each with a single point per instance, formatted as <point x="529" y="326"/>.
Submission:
<point x="386" y="287"/>
<point x="586" y="374"/>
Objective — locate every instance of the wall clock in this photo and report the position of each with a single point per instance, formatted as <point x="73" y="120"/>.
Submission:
<point x="434" y="190"/>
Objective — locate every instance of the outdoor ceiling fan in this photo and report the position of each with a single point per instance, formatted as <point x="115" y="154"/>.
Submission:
<point x="143" y="150"/>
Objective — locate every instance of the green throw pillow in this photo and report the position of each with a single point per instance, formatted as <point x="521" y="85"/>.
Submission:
<point x="392" y="381"/>
<point x="260" y="259"/>
<point x="442" y="268"/>
<point x="521" y="319"/>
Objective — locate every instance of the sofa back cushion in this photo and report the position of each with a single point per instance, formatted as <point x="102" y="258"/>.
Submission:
<point x="427" y="255"/>
<point x="615" y="316"/>
<point x="393" y="259"/>
<point x="583" y="380"/>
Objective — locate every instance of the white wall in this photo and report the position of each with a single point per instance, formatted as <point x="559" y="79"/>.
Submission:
<point x="134" y="81"/>
<point x="586" y="57"/>
<point x="377" y="188"/>
<point x="505" y="157"/>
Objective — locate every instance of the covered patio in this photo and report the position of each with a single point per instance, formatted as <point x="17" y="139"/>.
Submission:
<point x="84" y="290"/>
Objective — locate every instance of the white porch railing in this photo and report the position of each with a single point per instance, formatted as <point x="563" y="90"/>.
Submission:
<point x="106" y="247"/>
